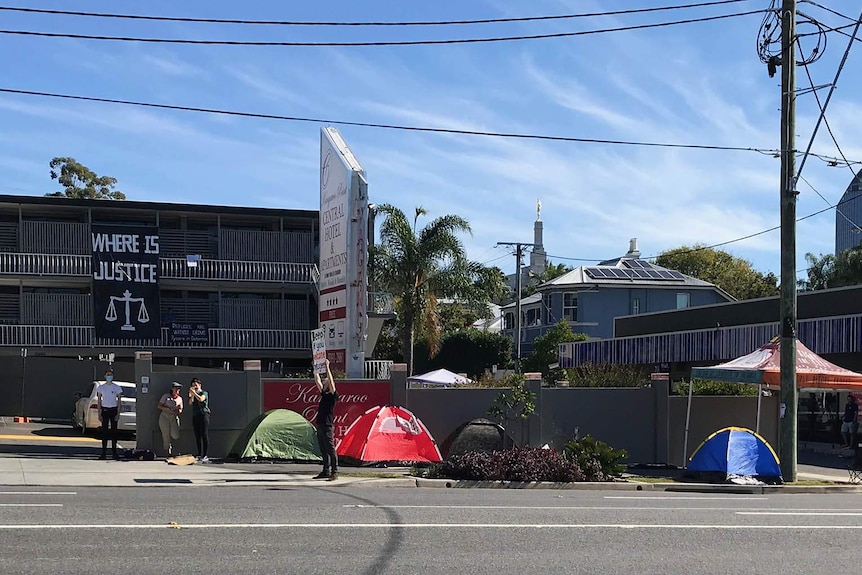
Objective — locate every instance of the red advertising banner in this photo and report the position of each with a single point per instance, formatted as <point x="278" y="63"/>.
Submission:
<point x="354" y="399"/>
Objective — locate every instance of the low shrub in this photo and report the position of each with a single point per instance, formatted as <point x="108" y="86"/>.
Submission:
<point x="709" y="387"/>
<point x="596" y="458"/>
<point x="519" y="464"/>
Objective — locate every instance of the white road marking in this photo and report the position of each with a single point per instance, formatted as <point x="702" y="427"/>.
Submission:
<point x="582" y="508"/>
<point x="38" y="492"/>
<point x="687" y="497"/>
<point x="562" y="526"/>
<point x="31" y="505"/>
<point x="806" y="513"/>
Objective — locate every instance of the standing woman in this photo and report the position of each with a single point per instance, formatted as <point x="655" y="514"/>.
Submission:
<point x="326" y="424"/>
<point x="200" y="418"/>
<point x="170" y="406"/>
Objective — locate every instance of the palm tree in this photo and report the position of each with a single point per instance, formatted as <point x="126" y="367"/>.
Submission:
<point x="420" y="266"/>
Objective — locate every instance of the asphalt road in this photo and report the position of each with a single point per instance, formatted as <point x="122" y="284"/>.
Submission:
<point x="330" y="530"/>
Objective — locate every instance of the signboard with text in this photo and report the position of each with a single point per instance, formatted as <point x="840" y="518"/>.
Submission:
<point x="343" y="248"/>
<point x="354" y="399"/>
<point x="186" y="333"/>
<point x="125" y="269"/>
<point x="318" y="350"/>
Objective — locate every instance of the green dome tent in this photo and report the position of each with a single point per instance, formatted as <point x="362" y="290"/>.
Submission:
<point x="278" y="434"/>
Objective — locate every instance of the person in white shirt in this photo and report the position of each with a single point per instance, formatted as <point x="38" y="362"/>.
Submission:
<point x="109" y="395"/>
<point x="171" y="406"/>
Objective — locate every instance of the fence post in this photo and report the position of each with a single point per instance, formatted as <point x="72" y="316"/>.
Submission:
<point x="661" y="393"/>
<point x="398" y="384"/>
<point x="254" y="389"/>
<point x="146" y="401"/>
<point x="534" y="422"/>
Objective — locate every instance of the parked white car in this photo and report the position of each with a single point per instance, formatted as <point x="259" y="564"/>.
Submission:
<point x="86" y="414"/>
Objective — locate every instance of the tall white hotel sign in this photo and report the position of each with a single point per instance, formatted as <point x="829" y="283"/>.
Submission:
<point x="343" y="283"/>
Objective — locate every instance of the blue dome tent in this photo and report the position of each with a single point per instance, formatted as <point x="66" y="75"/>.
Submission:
<point x="736" y="455"/>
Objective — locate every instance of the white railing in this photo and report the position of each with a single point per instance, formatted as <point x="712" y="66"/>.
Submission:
<point x="381" y="302"/>
<point x="219" y="338"/>
<point x="171" y="268"/>
<point x="233" y="270"/>
<point x="260" y="339"/>
<point x="378" y="368"/>
<point x="45" y="264"/>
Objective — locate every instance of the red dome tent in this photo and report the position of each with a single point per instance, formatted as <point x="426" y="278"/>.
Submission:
<point x="388" y="433"/>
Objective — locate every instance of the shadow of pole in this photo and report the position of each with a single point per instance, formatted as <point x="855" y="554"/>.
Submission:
<point x="394" y="539"/>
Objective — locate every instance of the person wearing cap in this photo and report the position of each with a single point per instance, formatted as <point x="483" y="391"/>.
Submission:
<point x="109" y="395"/>
<point x="200" y="417"/>
<point x="170" y="406"/>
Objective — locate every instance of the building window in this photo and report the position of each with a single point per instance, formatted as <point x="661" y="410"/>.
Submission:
<point x="570" y="306"/>
<point x="534" y="317"/>
<point x="509" y="320"/>
<point x="683" y="300"/>
<point x="636" y="305"/>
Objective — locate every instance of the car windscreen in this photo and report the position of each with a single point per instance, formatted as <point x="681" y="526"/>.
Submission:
<point x="129" y="391"/>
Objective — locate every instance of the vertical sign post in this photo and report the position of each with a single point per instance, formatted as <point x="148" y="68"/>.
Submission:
<point x="343" y="248"/>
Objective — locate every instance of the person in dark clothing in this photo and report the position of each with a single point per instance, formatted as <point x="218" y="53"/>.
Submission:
<point x="325" y="425"/>
<point x="849" y="423"/>
<point x="200" y="418"/>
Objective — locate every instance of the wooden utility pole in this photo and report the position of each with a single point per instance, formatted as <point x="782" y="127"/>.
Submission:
<point x="789" y="395"/>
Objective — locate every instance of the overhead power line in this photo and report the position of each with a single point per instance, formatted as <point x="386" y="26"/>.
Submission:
<point x="388" y="126"/>
<point x="372" y="43"/>
<point x="823" y="107"/>
<point x="408" y="23"/>
<point x="733" y="241"/>
<point x="764" y="151"/>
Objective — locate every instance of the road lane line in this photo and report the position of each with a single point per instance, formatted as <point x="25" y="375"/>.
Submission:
<point x="31" y="505"/>
<point x="688" y="497"/>
<point x="38" y="492"/>
<point x="576" y="508"/>
<point x="472" y="526"/>
<point x="804" y="513"/>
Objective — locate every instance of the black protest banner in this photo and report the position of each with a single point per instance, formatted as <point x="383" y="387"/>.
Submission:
<point x="125" y="281"/>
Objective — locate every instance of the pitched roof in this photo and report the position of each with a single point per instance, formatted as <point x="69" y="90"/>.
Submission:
<point x="625" y="272"/>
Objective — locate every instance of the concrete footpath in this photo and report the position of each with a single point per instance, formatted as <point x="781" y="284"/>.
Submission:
<point x="52" y="456"/>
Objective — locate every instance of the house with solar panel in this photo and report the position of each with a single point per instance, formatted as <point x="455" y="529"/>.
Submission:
<point x="590" y="297"/>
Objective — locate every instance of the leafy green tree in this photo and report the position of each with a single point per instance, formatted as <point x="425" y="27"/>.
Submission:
<point x="546" y="347"/>
<point x="820" y="271"/>
<point x="515" y="403"/>
<point x="80" y="182"/>
<point x="469" y="351"/>
<point x="552" y="271"/>
<point x="830" y="271"/>
<point x="420" y="266"/>
<point x="734" y="275"/>
<point x="388" y="345"/>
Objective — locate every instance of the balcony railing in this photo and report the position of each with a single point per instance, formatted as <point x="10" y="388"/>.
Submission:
<point x="233" y="270"/>
<point x="381" y="302"/>
<point x="171" y="268"/>
<point x="378" y="368"/>
<point x="81" y="336"/>
<point x="45" y="264"/>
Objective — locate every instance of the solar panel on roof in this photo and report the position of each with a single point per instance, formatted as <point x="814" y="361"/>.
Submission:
<point x="676" y="275"/>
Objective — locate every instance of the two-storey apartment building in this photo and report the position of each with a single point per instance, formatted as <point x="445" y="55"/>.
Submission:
<point x="232" y="282"/>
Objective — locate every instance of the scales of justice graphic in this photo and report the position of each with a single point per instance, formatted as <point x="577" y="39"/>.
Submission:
<point x="111" y="314"/>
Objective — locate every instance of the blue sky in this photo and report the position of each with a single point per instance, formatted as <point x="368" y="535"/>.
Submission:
<point x="696" y="83"/>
